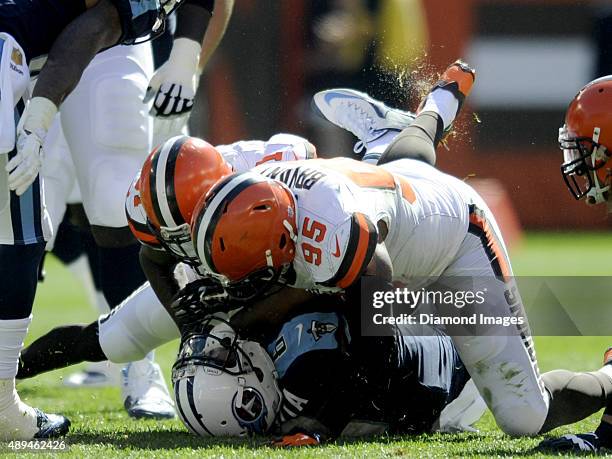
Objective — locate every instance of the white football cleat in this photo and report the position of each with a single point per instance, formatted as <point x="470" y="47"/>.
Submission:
<point x="19" y="421"/>
<point x="145" y="393"/>
<point x="95" y="374"/>
<point x="367" y="118"/>
<point x="462" y="413"/>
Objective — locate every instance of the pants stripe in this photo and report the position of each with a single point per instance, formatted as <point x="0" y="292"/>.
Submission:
<point x="26" y="209"/>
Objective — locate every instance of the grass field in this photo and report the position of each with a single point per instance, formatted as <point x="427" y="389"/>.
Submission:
<point x="101" y="428"/>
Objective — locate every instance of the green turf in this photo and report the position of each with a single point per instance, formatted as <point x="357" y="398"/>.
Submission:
<point x="102" y="429"/>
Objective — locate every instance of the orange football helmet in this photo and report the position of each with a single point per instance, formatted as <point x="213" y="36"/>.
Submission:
<point x="172" y="180"/>
<point x="244" y="230"/>
<point x="586" y="141"/>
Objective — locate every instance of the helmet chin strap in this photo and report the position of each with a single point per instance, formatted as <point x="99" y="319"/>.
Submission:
<point x="269" y="260"/>
<point x="597" y="191"/>
<point x="289" y="229"/>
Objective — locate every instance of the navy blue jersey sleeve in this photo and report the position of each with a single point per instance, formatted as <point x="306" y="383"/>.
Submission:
<point x="35" y="24"/>
<point x="138" y="19"/>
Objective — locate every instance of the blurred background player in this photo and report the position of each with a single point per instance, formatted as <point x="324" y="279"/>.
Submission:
<point x="586" y="141"/>
<point x="72" y="34"/>
<point x="105" y="135"/>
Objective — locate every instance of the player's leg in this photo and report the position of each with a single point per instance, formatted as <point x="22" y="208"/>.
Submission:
<point x="576" y="395"/>
<point x="571" y="388"/>
<point x="109" y="132"/>
<point x="24" y="227"/>
<point x="72" y="242"/>
<point x="129" y="332"/>
<point x="76" y="249"/>
<point x="435" y="116"/>
<point x="388" y="134"/>
<point x="501" y="360"/>
<point x="503" y="364"/>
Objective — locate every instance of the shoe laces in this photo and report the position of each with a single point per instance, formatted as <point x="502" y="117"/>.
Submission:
<point x="358" y="121"/>
<point x="359" y="147"/>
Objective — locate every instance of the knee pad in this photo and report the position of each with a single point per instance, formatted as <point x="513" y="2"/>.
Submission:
<point x="120" y="119"/>
<point x="121" y="139"/>
<point x="108" y="129"/>
<point x="136" y="327"/>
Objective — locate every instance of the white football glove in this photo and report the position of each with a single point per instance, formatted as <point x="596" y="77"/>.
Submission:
<point x="173" y="85"/>
<point x="23" y="168"/>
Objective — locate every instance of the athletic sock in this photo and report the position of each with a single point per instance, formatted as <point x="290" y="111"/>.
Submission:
<point x="442" y="102"/>
<point x="12" y="334"/>
<point x="18" y="421"/>
<point x="376" y="147"/>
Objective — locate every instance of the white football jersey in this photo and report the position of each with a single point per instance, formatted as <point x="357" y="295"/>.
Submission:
<point x="246" y="154"/>
<point x="242" y="156"/>
<point x="340" y="202"/>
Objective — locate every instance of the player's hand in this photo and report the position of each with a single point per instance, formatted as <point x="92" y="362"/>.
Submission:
<point x="23" y="168"/>
<point x="197" y="300"/>
<point x="173" y="85"/>
<point x="297" y="440"/>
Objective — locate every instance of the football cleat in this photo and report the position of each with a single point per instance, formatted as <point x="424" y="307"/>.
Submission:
<point x="570" y="443"/>
<point x="145" y="392"/>
<point x="458" y="78"/>
<point x="96" y="374"/>
<point x="19" y="421"/>
<point x="367" y="118"/>
<point x="51" y="425"/>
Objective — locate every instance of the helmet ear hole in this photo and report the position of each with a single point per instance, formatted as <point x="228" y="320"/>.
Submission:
<point x="259" y="374"/>
<point x="224" y="423"/>
<point x="222" y="244"/>
<point x="283" y="241"/>
<point x="262" y="207"/>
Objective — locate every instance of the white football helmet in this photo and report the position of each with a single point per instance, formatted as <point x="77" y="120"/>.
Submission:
<point x="224" y="386"/>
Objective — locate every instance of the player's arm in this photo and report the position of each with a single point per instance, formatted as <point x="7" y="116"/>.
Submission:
<point x="265" y="317"/>
<point x="216" y="30"/>
<point x="158" y="266"/>
<point x="200" y="26"/>
<point x="365" y="267"/>
<point x="97" y="28"/>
